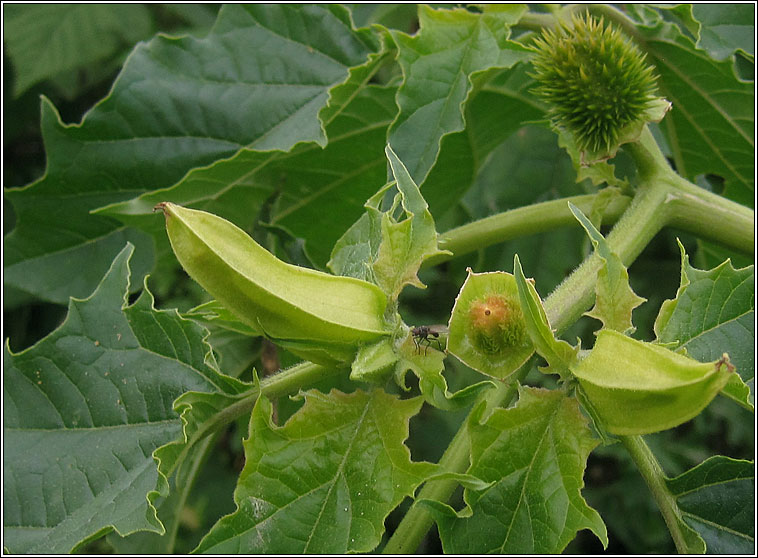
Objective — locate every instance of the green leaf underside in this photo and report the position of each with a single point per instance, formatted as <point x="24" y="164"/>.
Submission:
<point x="101" y="388"/>
<point x="323" y="482"/>
<point x="259" y="79"/>
<point x="717" y="499"/>
<point x="724" y="324"/>
<point x="438" y="63"/>
<point x="535" y="453"/>
<point x="615" y="299"/>
<point x="711" y="125"/>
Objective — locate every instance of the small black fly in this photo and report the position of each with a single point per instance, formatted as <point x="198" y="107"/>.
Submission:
<point x="427" y="334"/>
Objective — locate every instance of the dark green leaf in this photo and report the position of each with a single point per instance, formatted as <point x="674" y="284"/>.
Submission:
<point x="47" y="40"/>
<point x="717" y="499"/>
<point x="259" y="80"/>
<point x="712" y="314"/>
<point x="438" y="63"/>
<point x="710" y="128"/>
<point x="84" y="410"/>
<point x="725" y="27"/>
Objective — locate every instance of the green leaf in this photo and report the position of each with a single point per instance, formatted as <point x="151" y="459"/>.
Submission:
<point x="638" y="388"/>
<point x="723" y="28"/>
<point x="311" y="181"/>
<point x="438" y="65"/>
<point x="614" y="298"/>
<point x="717" y="499"/>
<point x="535" y="454"/>
<point x="382" y="249"/>
<point x="84" y="410"/>
<point x="47" y="40"/>
<point x="259" y="80"/>
<point x="170" y="509"/>
<point x="710" y="128"/>
<point x="323" y="482"/>
<point x="427" y="364"/>
<point x="714" y="313"/>
<point x="558" y="353"/>
<point x="213" y="313"/>
<point x="496" y="108"/>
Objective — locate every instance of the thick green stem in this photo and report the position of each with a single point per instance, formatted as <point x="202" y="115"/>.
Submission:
<point x="652" y="472"/>
<point x="712" y="217"/>
<point x="687" y="207"/>
<point x="522" y="221"/>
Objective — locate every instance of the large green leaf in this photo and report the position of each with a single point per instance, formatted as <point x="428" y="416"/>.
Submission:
<point x="322" y="189"/>
<point x="717" y="499"/>
<point x="84" y="410"/>
<point x="714" y="313"/>
<point x="535" y="454"/>
<point x="46" y="40"/>
<point x="438" y="64"/>
<point x="710" y="128"/>
<point x="258" y="80"/>
<point x="726" y="28"/>
<point x="323" y="482"/>
<point x="721" y="28"/>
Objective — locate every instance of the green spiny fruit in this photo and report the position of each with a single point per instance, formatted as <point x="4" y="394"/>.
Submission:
<point x="595" y="80"/>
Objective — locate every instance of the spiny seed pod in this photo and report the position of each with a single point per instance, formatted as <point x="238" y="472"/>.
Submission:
<point x="595" y="80"/>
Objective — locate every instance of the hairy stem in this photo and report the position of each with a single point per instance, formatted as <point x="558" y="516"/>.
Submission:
<point x="652" y="472"/>
<point x="522" y="221"/>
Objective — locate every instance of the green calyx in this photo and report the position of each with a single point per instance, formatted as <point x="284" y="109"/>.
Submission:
<point x="639" y="388"/>
<point x="321" y="317"/>
<point x="487" y="327"/>
<point x="595" y="80"/>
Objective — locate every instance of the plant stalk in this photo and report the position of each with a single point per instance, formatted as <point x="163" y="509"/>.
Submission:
<point x="654" y="476"/>
<point x="522" y="221"/>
